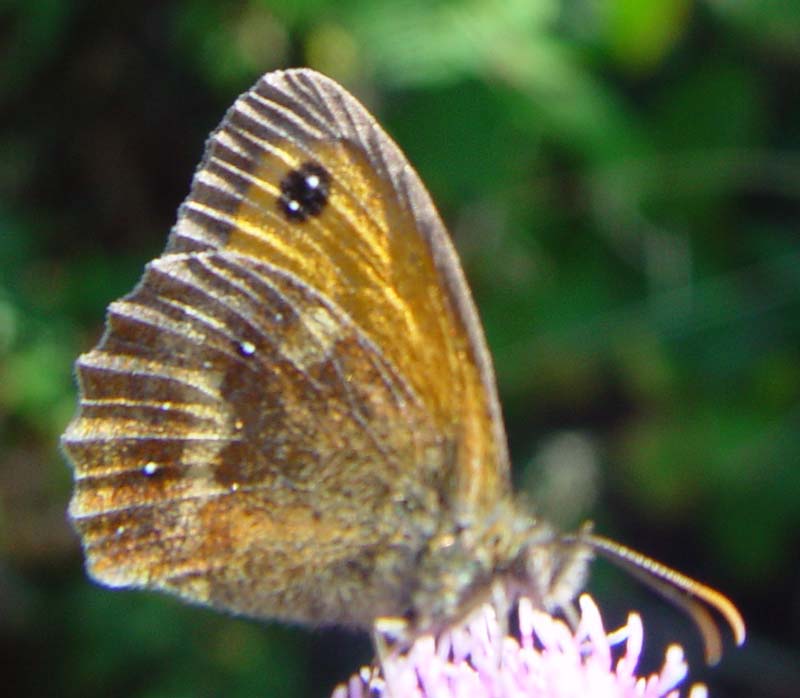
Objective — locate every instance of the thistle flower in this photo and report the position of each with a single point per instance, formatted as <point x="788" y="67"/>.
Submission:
<point x="547" y="660"/>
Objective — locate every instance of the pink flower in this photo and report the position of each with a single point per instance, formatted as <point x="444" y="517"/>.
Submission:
<point x="548" y="660"/>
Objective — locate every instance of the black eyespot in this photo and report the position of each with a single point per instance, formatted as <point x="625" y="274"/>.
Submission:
<point x="304" y="191"/>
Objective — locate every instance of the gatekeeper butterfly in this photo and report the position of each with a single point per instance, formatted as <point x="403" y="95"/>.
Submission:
<point x="294" y="414"/>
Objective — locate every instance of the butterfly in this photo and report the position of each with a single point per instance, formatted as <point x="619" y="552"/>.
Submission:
<point x="294" y="414"/>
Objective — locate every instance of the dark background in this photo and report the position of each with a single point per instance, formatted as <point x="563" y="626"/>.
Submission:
<point x="622" y="180"/>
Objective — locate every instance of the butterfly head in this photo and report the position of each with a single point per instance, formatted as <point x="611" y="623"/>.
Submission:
<point x="497" y="558"/>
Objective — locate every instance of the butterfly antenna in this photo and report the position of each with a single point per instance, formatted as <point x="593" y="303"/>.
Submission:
<point x="692" y="597"/>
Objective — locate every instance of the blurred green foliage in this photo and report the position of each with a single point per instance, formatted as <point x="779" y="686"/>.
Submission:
<point x="622" y="179"/>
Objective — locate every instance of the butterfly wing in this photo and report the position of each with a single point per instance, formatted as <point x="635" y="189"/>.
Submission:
<point x="280" y="412"/>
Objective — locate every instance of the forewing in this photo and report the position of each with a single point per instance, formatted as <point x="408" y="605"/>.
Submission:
<point x="378" y="250"/>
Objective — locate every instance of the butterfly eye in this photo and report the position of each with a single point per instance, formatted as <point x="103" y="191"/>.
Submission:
<point x="304" y="191"/>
